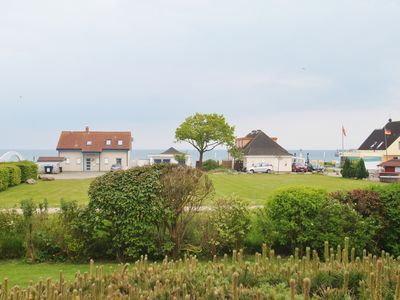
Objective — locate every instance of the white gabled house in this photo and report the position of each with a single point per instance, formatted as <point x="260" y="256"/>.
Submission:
<point x="258" y="148"/>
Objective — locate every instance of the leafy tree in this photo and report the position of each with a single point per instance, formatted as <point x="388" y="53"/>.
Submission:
<point x="236" y="153"/>
<point x="360" y="171"/>
<point x="184" y="190"/>
<point x="347" y="169"/>
<point x="205" y="132"/>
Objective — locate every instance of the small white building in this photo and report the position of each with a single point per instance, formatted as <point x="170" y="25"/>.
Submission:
<point x="258" y="148"/>
<point x="50" y="164"/>
<point x="171" y="156"/>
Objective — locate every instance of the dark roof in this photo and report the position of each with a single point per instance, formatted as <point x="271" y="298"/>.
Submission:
<point x="51" y="159"/>
<point x="172" y="150"/>
<point x="376" y="140"/>
<point x="391" y="163"/>
<point x="262" y="144"/>
<point x="77" y="140"/>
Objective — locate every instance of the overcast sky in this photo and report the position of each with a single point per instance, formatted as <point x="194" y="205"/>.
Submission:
<point x="295" y="69"/>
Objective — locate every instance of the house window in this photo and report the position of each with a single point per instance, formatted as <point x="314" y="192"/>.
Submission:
<point x="89" y="143"/>
<point x="67" y="161"/>
<point x="106" y="161"/>
<point x="78" y="161"/>
<point x="157" y="161"/>
<point x="97" y="160"/>
<point x="118" y="161"/>
<point x="108" y="142"/>
<point x="120" y="142"/>
<point x="166" y="161"/>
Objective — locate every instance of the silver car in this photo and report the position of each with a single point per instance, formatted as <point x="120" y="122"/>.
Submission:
<point x="261" y="168"/>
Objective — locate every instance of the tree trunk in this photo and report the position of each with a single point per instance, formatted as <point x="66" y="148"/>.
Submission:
<point x="201" y="159"/>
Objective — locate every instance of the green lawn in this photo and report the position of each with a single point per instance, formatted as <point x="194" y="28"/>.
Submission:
<point x="20" y="273"/>
<point x="254" y="188"/>
<point x="53" y="191"/>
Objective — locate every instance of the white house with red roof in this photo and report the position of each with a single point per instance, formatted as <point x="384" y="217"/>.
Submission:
<point x="94" y="151"/>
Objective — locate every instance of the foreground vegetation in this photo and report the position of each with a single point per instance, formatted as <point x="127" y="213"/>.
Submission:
<point x="336" y="274"/>
<point x="254" y="189"/>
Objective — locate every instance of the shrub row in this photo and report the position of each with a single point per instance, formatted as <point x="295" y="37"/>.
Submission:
<point x="338" y="275"/>
<point x="293" y="217"/>
<point x="12" y="174"/>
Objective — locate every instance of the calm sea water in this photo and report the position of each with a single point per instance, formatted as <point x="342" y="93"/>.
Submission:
<point x="327" y="155"/>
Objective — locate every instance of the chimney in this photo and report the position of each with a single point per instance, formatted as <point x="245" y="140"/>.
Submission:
<point x="274" y="138"/>
<point x="87" y="129"/>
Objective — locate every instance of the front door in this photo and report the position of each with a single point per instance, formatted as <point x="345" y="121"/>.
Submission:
<point x="88" y="164"/>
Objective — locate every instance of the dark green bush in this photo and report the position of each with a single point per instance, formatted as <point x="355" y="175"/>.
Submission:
<point x="209" y="165"/>
<point x="300" y="217"/>
<point x="29" y="170"/>
<point x="390" y="197"/>
<point x="4" y="179"/>
<point x="124" y="208"/>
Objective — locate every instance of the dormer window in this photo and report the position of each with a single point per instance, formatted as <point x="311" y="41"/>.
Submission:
<point x="108" y="142"/>
<point x="120" y="142"/>
<point x="89" y="143"/>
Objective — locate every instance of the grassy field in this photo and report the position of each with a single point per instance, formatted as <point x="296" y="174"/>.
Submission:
<point x="20" y="273"/>
<point x="256" y="188"/>
<point x="253" y="188"/>
<point x="53" y="191"/>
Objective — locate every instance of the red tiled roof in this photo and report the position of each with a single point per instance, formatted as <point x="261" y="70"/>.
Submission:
<point x="78" y="140"/>
<point x="51" y="159"/>
<point x="391" y="163"/>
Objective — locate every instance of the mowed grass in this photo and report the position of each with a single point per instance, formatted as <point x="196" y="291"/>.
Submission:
<point x="20" y="273"/>
<point x="255" y="188"/>
<point x="53" y="191"/>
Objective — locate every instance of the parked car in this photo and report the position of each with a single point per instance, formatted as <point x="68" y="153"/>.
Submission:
<point x="261" y="168"/>
<point x="116" y="168"/>
<point x="316" y="168"/>
<point x="299" y="168"/>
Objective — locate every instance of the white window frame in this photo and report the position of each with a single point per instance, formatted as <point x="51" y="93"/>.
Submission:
<point x="89" y="143"/>
<point x="108" y="142"/>
<point x="106" y="161"/>
<point x="120" y="142"/>
<point x="78" y="161"/>
<point x="67" y="160"/>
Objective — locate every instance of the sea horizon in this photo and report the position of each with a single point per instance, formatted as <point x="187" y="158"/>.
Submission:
<point x="216" y="154"/>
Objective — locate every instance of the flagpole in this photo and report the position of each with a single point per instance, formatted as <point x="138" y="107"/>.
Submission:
<point x="384" y="133"/>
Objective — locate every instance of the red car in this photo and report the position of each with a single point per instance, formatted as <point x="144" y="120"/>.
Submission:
<point x="299" y="168"/>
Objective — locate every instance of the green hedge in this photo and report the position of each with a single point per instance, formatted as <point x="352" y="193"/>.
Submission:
<point x="14" y="174"/>
<point x="4" y="179"/>
<point x="28" y="170"/>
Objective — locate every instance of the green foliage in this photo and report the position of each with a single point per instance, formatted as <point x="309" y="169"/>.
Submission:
<point x="183" y="192"/>
<point x="4" y="179"/>
<point x="390" y="196"/>
<point x="360" y="172"/>
<point x="209" y="165"/>
<point x="236" y="153"/>
<point x="347" y="169"/>
<point x="228" y="225"/>
<point x="11" y="235"/>
<point x="306" y="217"/>
<point x="205" y="132"/>
<point x="123" y="209"/>
<point x="29" y="170"/>
<point x="14" y="174"/>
